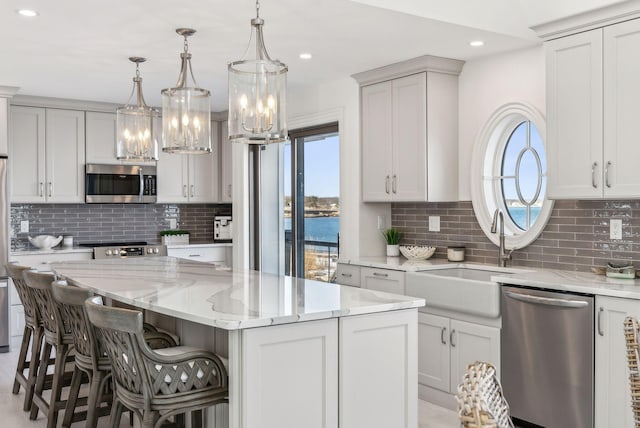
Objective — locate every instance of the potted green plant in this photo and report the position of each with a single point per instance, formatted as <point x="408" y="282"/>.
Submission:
<point x="392" y="236"/>
<point x="174" y="236"/>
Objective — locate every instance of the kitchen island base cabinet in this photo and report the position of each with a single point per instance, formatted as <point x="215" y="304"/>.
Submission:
<point x="612" y="392"/>
<point x="446" y="347"/>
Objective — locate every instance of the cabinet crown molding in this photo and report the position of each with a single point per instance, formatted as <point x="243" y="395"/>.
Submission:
<point x="63" y="103"/>
<point x="8" y="91"/>
<point x="589" y="20"/>
<point x="411" y="66"/>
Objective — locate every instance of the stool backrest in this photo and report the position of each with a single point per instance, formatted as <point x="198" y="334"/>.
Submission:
<point x="51" y="312"/>
<point x="631" y="332"/>
<point x="84" y="336"/>
<point x="31" y="313"/>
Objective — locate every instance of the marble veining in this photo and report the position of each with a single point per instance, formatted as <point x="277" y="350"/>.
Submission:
<point x="224" y="298"/>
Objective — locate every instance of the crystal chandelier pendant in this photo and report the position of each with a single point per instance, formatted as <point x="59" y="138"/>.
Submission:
<point x="137" y="125"/>
<point x="186" y="110"/>
<point x="257" y="93"/>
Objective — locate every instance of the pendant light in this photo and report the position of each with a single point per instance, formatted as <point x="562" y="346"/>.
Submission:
<point x="186" y="110"/>
<point x="137" y="124"/>
<point x="257" y="93"/>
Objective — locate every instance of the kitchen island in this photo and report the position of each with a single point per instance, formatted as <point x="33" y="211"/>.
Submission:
<point x="302" y="353"/>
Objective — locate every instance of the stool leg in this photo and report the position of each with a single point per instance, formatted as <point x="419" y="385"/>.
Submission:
<point x="22" y="358"/>
<point x="42" y="374"/>
<point x="34" y="364"/>
<point x="95" y="395"/>
<point x="196" y="419"/>
<point x="56" y="388"/>
<point x="74" y="391"/>
<point x="116" y="414"/>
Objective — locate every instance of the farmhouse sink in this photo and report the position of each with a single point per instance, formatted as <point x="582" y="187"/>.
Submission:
<point x="461" y="289"/>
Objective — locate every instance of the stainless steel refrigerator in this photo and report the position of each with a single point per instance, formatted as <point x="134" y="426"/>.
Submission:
<point x="4" y="254"/>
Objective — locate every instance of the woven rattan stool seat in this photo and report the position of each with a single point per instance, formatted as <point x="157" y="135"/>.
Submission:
<point x="155" y="385"/>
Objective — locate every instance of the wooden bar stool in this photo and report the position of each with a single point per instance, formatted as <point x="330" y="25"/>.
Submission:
<point x="155" y="384"/>
<point x="32" y="337"/>
<point x="57" y="337"/>
<point x="631" y="332"/>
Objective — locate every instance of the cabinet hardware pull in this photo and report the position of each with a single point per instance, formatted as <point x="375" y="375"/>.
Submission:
<point x="229" y="190"/>
<point x="443" y="335"/>
<point x="384" y="275"/>
<point x="593" y="175"/>
<point x="394" y="183"/>
<point x="346" y="275"/>
<point x="192" y="188"/>
<point x="453" y="345"/>
<point x="41" y="189"/>
<point x="195" y="255"/>
<point x="386" y="184"/>
<point x="606" y="174"/>
<point x="184" y="190"/>
<point x="50" y="188"/>
<point x="600" y="330"/>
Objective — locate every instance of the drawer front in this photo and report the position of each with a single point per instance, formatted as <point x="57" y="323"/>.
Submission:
<point x="201" y="254"/>
<point x="389" y="281"/>
<point x="348" y="275"/>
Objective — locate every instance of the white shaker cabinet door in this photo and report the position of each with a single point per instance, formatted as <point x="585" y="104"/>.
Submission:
<point x="173" y="178"/>
<point x="434" y="363"/>
<point x="377" y="140"/>
<point x="469" y="343"/>
<point x="101" y="137"/>
<point x="65" y="156"/>
<point x="621" y="110"/>
<point x="574" y="116"/>
<point x="27" y="150"/>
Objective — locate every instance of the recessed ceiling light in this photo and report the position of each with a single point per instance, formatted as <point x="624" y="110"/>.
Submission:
<point x="27" y="12"/>
<point x="476" y="43"/>
<point x="305" y="55"/>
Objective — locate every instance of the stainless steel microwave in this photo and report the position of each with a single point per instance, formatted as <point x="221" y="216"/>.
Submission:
<point x="120" y="184"/>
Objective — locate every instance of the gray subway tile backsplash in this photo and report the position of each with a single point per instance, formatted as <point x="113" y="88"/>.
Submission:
<point x="576" y="237"/>
<point x="113" y="222"/>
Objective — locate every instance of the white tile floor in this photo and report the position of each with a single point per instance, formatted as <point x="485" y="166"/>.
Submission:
<point x="430" y="416"/>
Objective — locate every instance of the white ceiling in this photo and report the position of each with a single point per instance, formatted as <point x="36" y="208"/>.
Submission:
<point x="78" y="49"/>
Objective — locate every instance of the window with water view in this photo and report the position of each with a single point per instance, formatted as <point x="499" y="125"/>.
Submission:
<point x="312" y="202"/>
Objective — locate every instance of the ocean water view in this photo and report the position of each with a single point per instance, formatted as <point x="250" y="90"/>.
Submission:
<point x="323" y="229"/>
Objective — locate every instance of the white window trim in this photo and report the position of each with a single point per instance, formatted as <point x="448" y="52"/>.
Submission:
<point x="486" y="193"/>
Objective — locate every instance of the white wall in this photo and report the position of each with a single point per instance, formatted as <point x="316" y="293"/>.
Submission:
<point x="486" y="84"/>
<point x="339" y="101"/>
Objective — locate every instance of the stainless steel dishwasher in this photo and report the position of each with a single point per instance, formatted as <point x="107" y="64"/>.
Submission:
<point x="547" y="357"/>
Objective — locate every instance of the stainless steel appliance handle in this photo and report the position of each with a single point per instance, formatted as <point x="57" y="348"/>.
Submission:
<point x="593" y="175"/>
<point x="141" y="194"/>
<point x="384" y="275"/>
<point x="443" y="335"/>
<point x="453" y="344"/>
<point x="549" y="301"/>
<point x="600" y="329"/>
<point x="386" y="184"/>
<point x="606" y="174"/>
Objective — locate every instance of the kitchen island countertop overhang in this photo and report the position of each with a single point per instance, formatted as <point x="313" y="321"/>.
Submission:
<point x="219" y="297"/>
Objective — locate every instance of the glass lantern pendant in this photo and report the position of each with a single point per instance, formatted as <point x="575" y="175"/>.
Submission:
<point x="186" y="111"/>
<point x="137" y="125"/>
<point x="257" y="93"/>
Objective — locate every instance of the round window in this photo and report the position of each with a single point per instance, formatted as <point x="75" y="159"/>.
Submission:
<point x="509" y="174"/>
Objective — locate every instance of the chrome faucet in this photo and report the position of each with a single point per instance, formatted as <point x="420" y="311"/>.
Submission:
<point x="504" y="253"/>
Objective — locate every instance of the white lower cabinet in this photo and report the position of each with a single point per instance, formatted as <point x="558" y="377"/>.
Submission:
<point x="215" y="254"/>
<point x="348" y="275"/>
<point x="445" y="347"/>
<point x="612" y="391"/>
<point x="387" y="280"/>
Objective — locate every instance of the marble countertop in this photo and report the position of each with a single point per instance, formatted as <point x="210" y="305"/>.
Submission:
<point x="550" y="279"/>
<point x="223" y="298"/>
<point x="56" y="250"/>
<point x="201" y="244"/>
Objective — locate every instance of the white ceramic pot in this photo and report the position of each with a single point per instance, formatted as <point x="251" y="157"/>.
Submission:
<point x="393" y="250"/>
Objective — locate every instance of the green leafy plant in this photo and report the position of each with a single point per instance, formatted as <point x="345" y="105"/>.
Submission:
<point x="173" y="232"/>
<point x="392" y="236"/>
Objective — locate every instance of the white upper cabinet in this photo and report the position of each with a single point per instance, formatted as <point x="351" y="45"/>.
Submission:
<point x="47" y="155"/>
<point x="101" y="137"/>
<point x="593" y="106"/>
<point x="409" y="128"/>
<point x="189" y="178"/>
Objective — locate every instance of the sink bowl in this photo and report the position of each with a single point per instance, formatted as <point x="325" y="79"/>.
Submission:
<point x="459" y="289"/>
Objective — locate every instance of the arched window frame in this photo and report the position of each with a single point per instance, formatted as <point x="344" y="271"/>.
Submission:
<point x="486" y="168"/>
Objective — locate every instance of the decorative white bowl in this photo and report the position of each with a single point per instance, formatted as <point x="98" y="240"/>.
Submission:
<point x="417" y="252"/>
<point x="45" y="242"/>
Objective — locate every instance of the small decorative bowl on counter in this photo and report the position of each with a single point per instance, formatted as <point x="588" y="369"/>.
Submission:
<point x="417" y="252"/>
<point x="45" y="242"/>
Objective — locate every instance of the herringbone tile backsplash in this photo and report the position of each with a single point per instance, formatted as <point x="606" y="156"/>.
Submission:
<point x="576" y="237"/>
